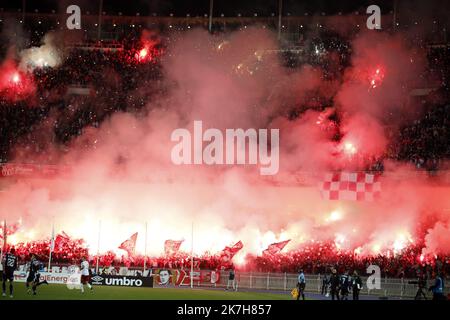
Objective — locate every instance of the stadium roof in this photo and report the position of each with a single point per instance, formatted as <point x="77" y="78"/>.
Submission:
<point x="201" y="7"/>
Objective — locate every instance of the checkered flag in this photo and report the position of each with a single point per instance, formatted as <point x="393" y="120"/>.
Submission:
<point x="355" y="186"/>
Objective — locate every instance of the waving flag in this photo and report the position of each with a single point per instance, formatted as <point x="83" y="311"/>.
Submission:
<point x="171" y="247"/>
<point x="276" y="247"/>
<point x="228" y="253"/>
<point x="5" y="235"/>
<point x="129" y="245"/>
<point x="61" y="239"/>
<point x="8" y="230"/>
<point x="356" y="186"/>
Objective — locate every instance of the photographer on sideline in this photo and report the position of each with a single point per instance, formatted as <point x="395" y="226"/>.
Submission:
<point x="301" y="284"/>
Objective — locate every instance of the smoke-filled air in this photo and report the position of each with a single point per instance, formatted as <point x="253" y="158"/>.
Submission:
<point x="117" y="177"/>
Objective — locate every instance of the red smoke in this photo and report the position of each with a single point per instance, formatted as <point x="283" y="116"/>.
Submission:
<point x="15" y="84"/>
<point x="149" y="48"/>
<point x="240" y="84"/>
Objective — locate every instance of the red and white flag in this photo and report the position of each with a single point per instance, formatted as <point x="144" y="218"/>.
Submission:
<point x="129" y="245"/>
<point x="276" y="247"/>
<point x="8" y="230"/>
<point x="356" y="186"/>
<point x="229" y="252"/>
<point x="61" y="239"/>
<point x="171" y="247"/>
<point x="4" y="236"/>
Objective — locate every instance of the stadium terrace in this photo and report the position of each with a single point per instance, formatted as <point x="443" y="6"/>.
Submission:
<point x="348" y="123"/>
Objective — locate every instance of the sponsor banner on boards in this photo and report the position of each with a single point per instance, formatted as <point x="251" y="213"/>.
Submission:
<point x="123" y="281"/>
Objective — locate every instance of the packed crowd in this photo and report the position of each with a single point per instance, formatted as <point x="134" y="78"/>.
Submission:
<point x="114" y="79"/>
<point x="319" y="258"/>
<point x="315" y="258"/>
<point x="425" y="142"/>
<point x="110" y="79"/>
<point x="65" y="253"/>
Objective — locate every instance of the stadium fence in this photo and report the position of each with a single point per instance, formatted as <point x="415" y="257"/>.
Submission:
<point x="270" y="281"/>
<point x="390" y="287"/>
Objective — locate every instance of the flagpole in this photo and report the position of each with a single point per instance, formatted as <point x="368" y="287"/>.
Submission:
<point x="98" y="245"/>
<point x="51" y="247"/>
<point x="211" y="5"/>
<point x="5" y="235"/>
<point x="145" y="249"/>
<point x="4" y="240"/>
<point x="192" y="255"/>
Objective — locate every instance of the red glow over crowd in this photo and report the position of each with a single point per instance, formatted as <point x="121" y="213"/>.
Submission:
<point x="315" y="257"/>
<point x="376" y="77"/>
<point x="15" y="84"/>
<point x="28" y="98"/>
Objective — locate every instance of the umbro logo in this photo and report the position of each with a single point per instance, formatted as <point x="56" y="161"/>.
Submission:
<point x="97" y="278"/>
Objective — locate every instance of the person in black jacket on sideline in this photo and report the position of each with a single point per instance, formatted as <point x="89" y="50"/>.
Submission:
<point x="334" y="285"/>
<point x="356" y="285"/>
<point x="325" y="284"/>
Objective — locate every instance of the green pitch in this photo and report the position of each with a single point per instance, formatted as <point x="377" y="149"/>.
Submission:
<point x="61" y="292"/>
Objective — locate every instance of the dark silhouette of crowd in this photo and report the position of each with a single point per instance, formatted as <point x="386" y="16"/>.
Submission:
<point x="111" y="74"/>
<point x="85" y="89"/>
